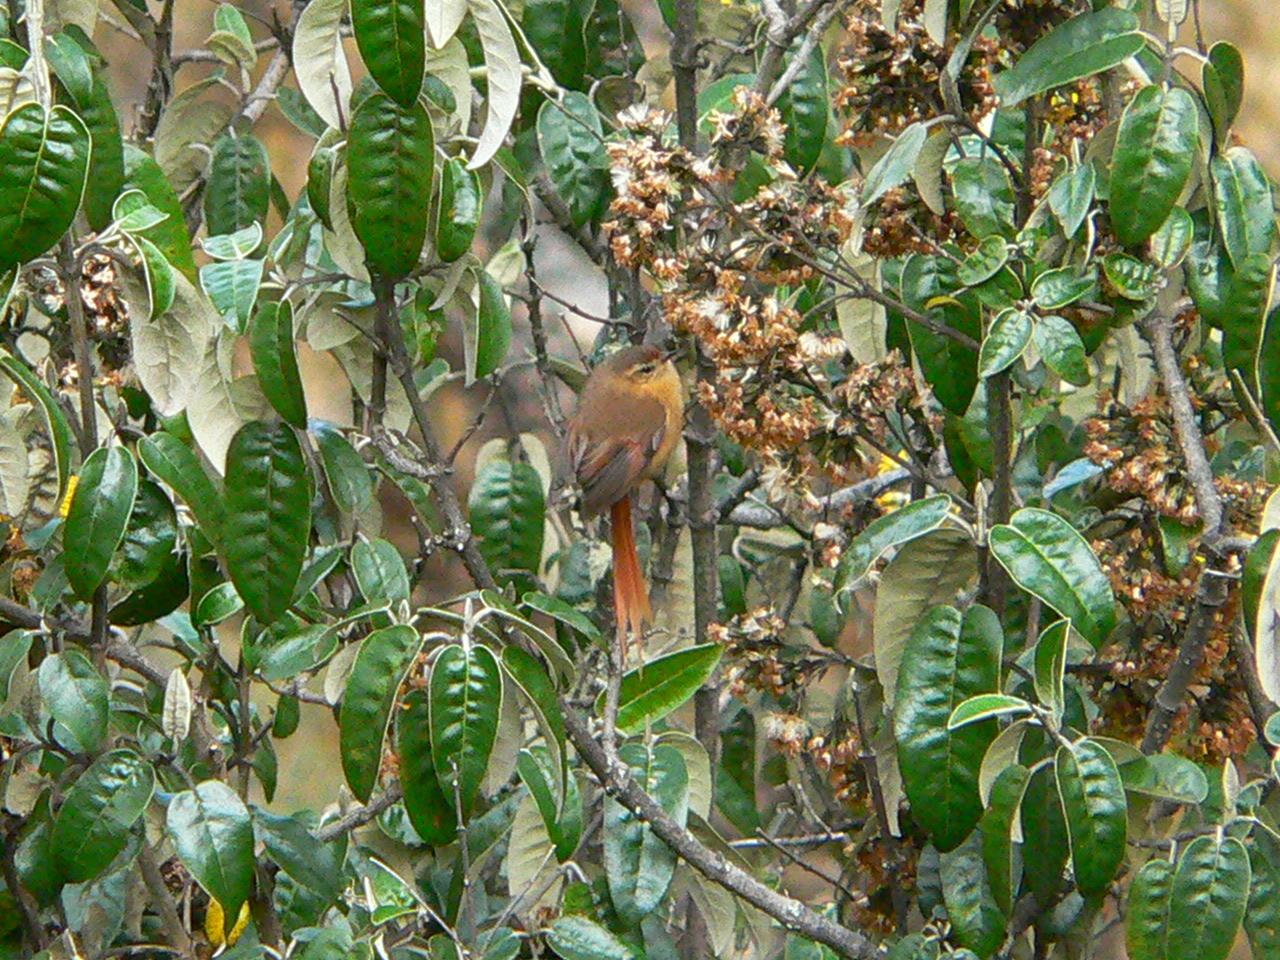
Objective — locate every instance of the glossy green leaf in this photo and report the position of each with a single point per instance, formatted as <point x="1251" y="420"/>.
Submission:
<point x="1166" y="776"/>
<point x="1171" y="242"/>
<point x="895" y="165"/>
<point x="971" y="904"/>
<point x="555" y="28"/>
<point x="983" y="196"/>
<point x="44" y="161"/>
<point x="380" y="665"/>
<point x="1083" y="46"/>
<point x="1055" y="289"/>
<point x="158" y="598"/>
<point x="238" y="192"/>
<point x="1155" y="150"/>
<point x="161" y="284"/>
<point x="534" y="683"/>
<point x="75" y="695"/>
<point x="1262" y="915"/>
<point x="577" y="937"/>
<point x="316" y="866"/>
<point x="212" y="832"/>
<point x="1062" y="349"/>
<point x="1004" y="343"/>
<point x="274" y="360"/>
<point x="1208" y="896"/>
<point x="1245" y="315"/>
<point x="461" y="203"/>
<point x="650" y="692"/>
<point x="1093" y="800"/>
<point x="232" y="287"/>
<point x="380" y="572"/>
<point x="929" y="285"/>
<point x="1132" y="278"/>
<point x="466" y="702"/>
<point x="1223" y="80"/>
<point x="1051" y="665"/>
<point x="1147" y="923"/>
<point x="507" y="513"/>
<point x="149" y="540"/>
<point x="429" y="810"/>
<point x="268" y="517"/>
<point x="563" y="820"/>
<point x="141" y="172"/>
<point x="105" y="177"/>
<point x="948" y="658"/>
<point x="565" y="614"/>
<point x="571" y="141"/>
<point x="1243" y="204"/>
<point x="390" y="159"/>
<point x="392" y="38"/>
<point x="173" y="462"/>
<point x="805" y="108"/>
<point x="98" y="516"/>
<point x="217" y="605"/>
<point x="984" y="262"/>
<point x="98" y="813"/>
<point x="885" y="533"/>
<point x="344" y="468"/>
<point x="999" y="852"/>
<point x="638" y="865"/>
<point x="1071" y="195"/>
<point x="487" y="343"/>
<point x="985" y="706"/>
<point x="1049" y="559"/>
<point x="1044" y="830"/>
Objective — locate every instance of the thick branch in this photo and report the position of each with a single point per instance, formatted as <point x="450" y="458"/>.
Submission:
<point x="763" y="516"/>
<point x="617" y="781"/>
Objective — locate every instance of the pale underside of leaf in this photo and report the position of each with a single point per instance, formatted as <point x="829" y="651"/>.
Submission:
<point x="168" y="350"/>
<point x="324" y="76"/>
<point x="502" y="64"/>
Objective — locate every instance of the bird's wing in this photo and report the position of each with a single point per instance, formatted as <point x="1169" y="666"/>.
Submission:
<point x="610" y="468"/>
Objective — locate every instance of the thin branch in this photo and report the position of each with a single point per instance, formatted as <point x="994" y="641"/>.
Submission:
<point x="811" y="39"/>
<point x="361" y="815"/>
<point x="764" y="516"/>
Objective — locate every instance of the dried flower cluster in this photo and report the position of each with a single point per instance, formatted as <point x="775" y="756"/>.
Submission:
<point x="759" y="659"/>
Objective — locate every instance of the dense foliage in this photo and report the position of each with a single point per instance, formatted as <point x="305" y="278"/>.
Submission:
<point x="968" y="639"/>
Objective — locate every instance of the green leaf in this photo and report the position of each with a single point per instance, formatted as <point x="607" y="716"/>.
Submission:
<point x="1071" y="195"/>
<point x="1004" y="343"/>
<point x="534" y="683"/>
<point x="1208" y="897"/>
<point x="212" y="833"/>
<point x="1093" y="800"/>
<point x="998" y="850"/>
<point x="1223" y="82"/>
<point x="75" y="695"/>
<point x="929" y="285"/>
<point x="14" y="650"/>
<point x="217" y="605"/>
<point x="487" y="344"/>
<point x="650" y="692"/>
<point x="105" y="176"/>
<point x="555" y="28"/>
<point x="566" y="614"/>
<point x="461" y="203"/>
<point x="98" y="516"/>
<point x="985" y="706"/>
<point x="906" y="523"/>
<point x="638" y="865"/>
<point x="173" y="462"/>
<point x="44" y="161"/>
<point x="158" y="598"/>
<point x="983" y="196"/>
<point x="98" y="813"/>
<point x="380" y="572"/>
<point x="1049" y="559"/>
<point x="392" y="38"/>
<point x="466" y="702"/>
<point x="571" y="141"/>
<point x="1055" y="289"/>
<point x="1256" y="565"/>
<point x="390" y="159"/>
<point x="948" y="659"/>
<point x="895" y="165"/>
<point x="150" y="539"/>
<point x="971" y="904"/>
<point x="507" y="513"/>
<point x="1269" y="389"/>
<point x="987" y="259"/>
<point x="274" y="360"/>
<point x="233" y="288"/>
<point x="1044" y="830"/>
<point x="380" y="665"/>
<point x="565" y="832"/>
<point x="268" y="519"/>
<point x="344" y="468"/>
<point x="1155" y="150"/>
<point x="805" y="108"/>
<point x="576" y="937"/>
<point x="239" y="186"/>
<point x="141" y="172"/>
<point x="429" y="810"/>
<point x="1132" y="278"/>
<point x="1147" y="924"/>
<point x="1166" y="776"/>
<point x="1243" y="204"/>
<point x="1245" y="315"/>
<point x="1171" y="243"/>
<point x="316" y="866"/>
<point x="1081" y="47"/>
<point x="1051" y="666"/>
<point x="1262" y="916"/>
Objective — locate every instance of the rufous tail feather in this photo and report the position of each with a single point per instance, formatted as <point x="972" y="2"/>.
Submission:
<point x="630" y="596"/>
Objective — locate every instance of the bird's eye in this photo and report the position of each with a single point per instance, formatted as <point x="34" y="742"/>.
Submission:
<point x="644" y="369"/>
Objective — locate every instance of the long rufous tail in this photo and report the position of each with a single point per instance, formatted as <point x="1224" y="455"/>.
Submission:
<point x="630" y="596"/>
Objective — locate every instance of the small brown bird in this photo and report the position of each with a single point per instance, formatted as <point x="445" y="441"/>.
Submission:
<point x="629" y="418"/>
